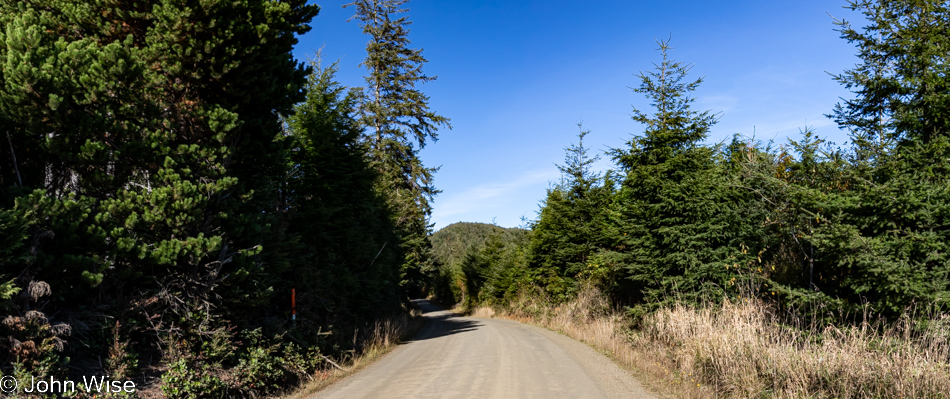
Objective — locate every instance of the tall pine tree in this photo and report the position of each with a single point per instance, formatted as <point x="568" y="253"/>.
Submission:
<point x="901" y="85"/>
<point x="671" y="221"/>
<point x="885" y="239"/>
<point x="334" y="213"/>
<point x="398" y="124"/>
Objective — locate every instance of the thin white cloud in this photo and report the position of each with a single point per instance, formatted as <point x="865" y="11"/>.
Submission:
<point x="792" y="126"/>
<point x="717" y="103"/>
<point x="485" y="197"/>
<point x="776" y="127"/>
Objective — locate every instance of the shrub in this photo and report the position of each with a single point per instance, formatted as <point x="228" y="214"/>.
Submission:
<point x="191" y="381"/>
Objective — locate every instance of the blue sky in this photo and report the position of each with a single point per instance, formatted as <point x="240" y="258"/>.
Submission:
<point x="516" y="77"/>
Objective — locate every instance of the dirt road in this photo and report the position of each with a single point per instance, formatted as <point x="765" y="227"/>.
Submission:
<point x="464" y="357"/>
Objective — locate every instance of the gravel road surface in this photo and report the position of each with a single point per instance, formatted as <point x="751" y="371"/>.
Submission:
<point x="464" y="357"/>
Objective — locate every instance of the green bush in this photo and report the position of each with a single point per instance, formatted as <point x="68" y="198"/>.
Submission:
<point x="259" y="369"/>
<point x="191" y="381"/>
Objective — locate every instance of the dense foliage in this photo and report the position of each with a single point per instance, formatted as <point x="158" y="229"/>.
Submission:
<point x="569" y="226"/>
<point x="338" y="226"/>
<point x="469" y="254"/>
<point x="170" y="174"/>
<point x="857" y="230"/>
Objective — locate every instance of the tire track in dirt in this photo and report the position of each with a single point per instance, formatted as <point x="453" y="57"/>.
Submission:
<point x="465" y="357"/>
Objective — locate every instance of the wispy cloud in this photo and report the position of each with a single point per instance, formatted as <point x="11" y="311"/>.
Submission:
<point x="794" y="125"/>
<point x="491" y="197"/>
<point x="717" y="103"/>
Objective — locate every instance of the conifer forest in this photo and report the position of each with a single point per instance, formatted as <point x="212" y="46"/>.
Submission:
<point x="171" y="177"/>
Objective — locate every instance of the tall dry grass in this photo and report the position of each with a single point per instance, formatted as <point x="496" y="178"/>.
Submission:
<point x="743" y="349"/>
<point x="592" y="319"/>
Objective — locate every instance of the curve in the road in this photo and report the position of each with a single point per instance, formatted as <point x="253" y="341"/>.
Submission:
<point x="464" y="357"/>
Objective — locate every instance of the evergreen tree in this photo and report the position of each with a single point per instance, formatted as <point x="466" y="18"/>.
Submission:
<point x="398" y="124"/>
<point x="570" y="224"/>
<point x="901" y="86"/>
<point x="333" y="212"/>
<point x="495" y="269"/>
<point x="785" y="195"/>
<point x="143" y="137"/>
<point x="885" y="240"/>
<point x="672" y="220"/>
<point x="452" y="244"/>
<point x="13" y="236"/>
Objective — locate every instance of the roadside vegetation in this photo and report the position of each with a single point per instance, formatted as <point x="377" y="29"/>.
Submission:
<point x="186" y="206"/>
<point x="379" y="340"/>
<point x="744" y="348"/>
<point x="747" y="268"/>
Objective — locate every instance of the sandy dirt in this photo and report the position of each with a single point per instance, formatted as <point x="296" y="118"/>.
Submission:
<point x="465" y="357"/>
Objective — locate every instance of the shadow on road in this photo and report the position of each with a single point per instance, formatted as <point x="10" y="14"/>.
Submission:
<point x="440" y="322"/>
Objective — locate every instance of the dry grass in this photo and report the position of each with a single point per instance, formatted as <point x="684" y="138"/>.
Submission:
<point x="484" y="311"/>
<point x="382" y="339"/>
<point x="742" y="350"/>
<point x="593" y="320"/>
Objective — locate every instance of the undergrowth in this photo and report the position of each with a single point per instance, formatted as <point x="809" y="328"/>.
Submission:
<point x="744" y="348"/>
<point x="381" y="338"/>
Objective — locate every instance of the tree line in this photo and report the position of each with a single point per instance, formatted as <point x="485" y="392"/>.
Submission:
<point x="170" y="174"/>
<point x="858" y="229"/>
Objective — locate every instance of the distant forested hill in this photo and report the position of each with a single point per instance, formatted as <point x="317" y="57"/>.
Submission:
<point x="450" y="243"/>
<point x="463" y="253"/>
